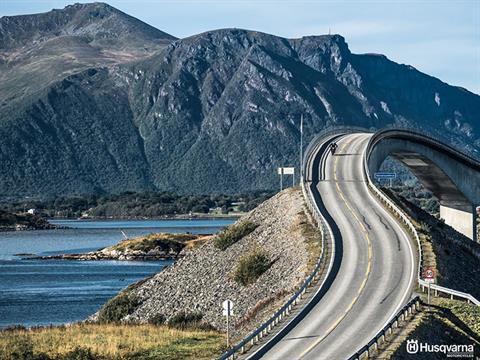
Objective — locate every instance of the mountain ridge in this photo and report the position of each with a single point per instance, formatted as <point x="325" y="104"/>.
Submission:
<point x="214" y="112"/>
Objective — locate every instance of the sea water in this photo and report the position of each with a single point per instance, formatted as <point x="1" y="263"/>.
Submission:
<point x="42" y="292"/>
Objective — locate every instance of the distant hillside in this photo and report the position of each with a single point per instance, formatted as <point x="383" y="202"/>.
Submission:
<point x="215" y="112"/>
<point x="14" y="222"/>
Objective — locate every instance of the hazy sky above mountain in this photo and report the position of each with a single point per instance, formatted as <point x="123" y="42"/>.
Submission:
<point x="441" y="38"/>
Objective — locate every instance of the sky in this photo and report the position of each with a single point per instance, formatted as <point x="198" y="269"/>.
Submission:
<point x="440" y="38"/>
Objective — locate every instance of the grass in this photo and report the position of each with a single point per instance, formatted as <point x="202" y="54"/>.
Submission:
<point x="234" y="233"/>
<point x="469" y="314"/>
<point x="313" y="239"/>
<point x="107" y="341"/>
<point x="251" y="266"/>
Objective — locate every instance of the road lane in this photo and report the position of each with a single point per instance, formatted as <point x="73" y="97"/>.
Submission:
<point x="376" y="271"/>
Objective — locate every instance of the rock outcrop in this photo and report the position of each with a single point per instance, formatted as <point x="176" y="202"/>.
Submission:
<point x="150" y="247"/>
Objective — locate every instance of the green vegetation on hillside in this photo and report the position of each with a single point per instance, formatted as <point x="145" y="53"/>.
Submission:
<point x="251" y="266"/>
<point x="9" y="221"/>
<point x="117" y="308"/>
<point x="109" y="342"/>
<point x="233" y="233"/>
<point x="137" y="205"/>
<point x="419" y="196"/>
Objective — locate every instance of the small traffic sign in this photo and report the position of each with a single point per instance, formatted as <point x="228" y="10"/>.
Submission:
<point x="385" y="175"/>
<point x="227" y="308"/>
<point x="429" y="275"/>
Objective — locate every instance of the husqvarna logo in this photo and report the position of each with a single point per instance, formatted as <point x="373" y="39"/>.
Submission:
<point x="451" y="351"/>
<point x="412" y="346"/>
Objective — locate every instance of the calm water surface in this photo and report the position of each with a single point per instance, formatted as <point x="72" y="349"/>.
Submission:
<point x="34" y="292"/>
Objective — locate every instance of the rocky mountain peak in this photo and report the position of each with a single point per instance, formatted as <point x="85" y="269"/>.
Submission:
<point x="95" y="22"/>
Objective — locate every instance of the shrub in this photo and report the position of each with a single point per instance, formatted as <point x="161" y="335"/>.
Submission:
<point x="234" y="233"/>
<point x="251" y="266"/>
<point x="117" y="308"/>
<point x="158" y="319"/>
<point x="189" y="320"/>
<point x="425" y="228"/>
<point x="80" y="354"/>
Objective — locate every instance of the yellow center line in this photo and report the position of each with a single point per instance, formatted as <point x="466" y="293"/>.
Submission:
<point x="369" y="265"/>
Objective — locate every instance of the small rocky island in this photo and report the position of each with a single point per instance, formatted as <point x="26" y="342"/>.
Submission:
<point x="159" y="246"/>
<point x="24" y="221"/>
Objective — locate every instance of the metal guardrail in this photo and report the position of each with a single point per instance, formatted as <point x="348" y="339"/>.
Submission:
<point x="265" y="328"/>
<point x="410" y="308"/>
<point x="437" y="288"/>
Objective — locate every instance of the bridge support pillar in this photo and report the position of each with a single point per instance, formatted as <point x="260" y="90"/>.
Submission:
<point x="462" y="218"/>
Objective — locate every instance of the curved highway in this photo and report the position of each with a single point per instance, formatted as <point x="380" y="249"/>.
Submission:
<point x="374" y="264"/>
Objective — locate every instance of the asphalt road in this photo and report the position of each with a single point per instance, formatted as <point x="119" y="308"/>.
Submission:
<point x="376" y="270"/>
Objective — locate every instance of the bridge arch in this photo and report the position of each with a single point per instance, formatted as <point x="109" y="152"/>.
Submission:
<point x="452" y="176"/>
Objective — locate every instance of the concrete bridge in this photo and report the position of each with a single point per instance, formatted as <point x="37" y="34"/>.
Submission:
<point x="452" y="176"/>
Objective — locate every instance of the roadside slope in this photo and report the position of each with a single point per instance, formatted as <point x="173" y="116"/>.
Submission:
<point x="205" y="277"/>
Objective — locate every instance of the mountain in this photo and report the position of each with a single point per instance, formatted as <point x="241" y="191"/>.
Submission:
<point x="215" y="112"/>
<point x="38" y="50"/>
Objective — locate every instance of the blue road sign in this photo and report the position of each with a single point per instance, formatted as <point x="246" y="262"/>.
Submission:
<point x="385" y="175"/>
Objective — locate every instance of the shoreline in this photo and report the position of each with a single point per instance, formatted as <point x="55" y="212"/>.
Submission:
<point x="166" y="217"/>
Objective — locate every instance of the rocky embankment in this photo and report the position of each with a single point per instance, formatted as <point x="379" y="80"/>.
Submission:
<point x="19" y="222"/>
<point x="150" y="247"/>
<point x="205" y="276"/>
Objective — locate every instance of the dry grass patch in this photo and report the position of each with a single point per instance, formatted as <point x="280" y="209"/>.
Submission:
<point x="112" y="342"/>
<point x="312" y="237"/>
<point x="161" y="240"/>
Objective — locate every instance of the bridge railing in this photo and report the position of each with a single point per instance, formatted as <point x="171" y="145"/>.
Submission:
<point x="409" y="309"/>
<point x="265" y="328"/>
<point x="450" y="142"/>
<point x="413" y="231"/>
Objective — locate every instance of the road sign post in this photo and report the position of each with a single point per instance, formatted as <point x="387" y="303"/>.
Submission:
<point x="429" y="277"/>
<point x="228" y="311"/>
<point x="301" y="148"/>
